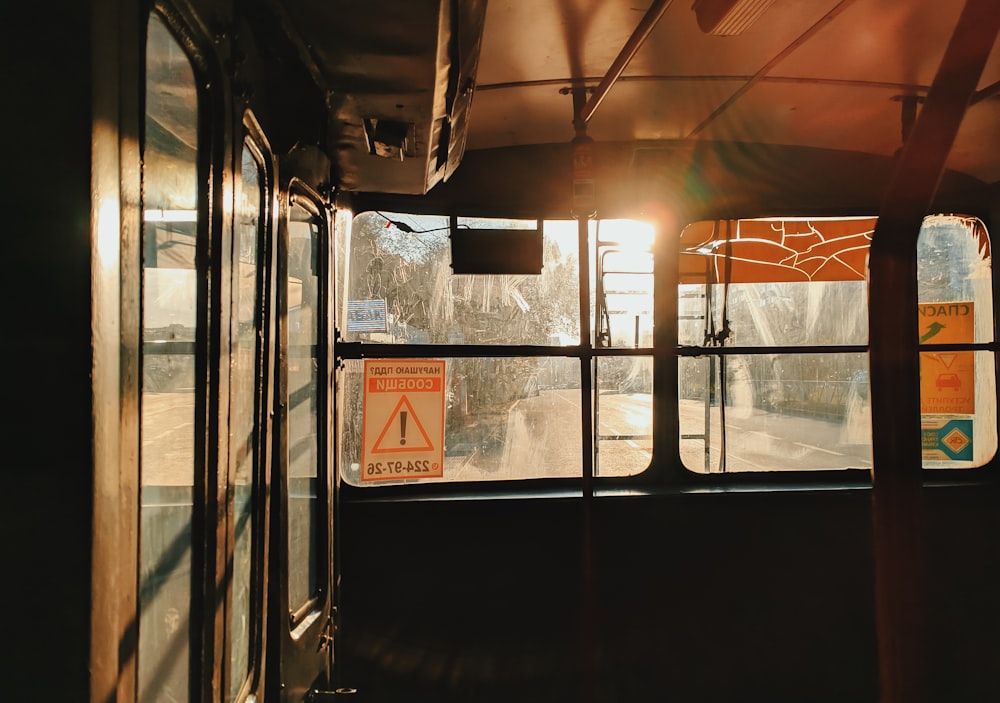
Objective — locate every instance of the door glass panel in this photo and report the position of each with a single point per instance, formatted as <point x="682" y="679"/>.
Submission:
<point x="303" y="402"/>
<point x="169" y="334"/>
<point x="245" y="387"/>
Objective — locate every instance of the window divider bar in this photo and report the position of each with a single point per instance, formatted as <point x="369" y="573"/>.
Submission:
<point x="364" y="350"/>
<point x="696" y="351"/>
<point x="685" y="350"/>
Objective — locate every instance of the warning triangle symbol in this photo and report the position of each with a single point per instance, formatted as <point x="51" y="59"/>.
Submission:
<point x="398" y="434"/>
<point x="947" y="359"/>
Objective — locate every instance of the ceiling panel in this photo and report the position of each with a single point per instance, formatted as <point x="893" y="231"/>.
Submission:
<point x="977" y="145"/>
<point x="831" y="116"/>
<point x="678" y="47"/>
<point x="878" y="41"/>
<point x="540" y="114"/>
<point x="528" y="40"/>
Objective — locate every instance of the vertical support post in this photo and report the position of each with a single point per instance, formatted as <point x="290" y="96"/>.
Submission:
<point x="116" y="236"/>
<point x="898" y="520"/>
<point x="584" y="206"/>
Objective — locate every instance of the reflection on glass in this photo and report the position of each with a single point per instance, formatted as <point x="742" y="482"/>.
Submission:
<point x="401" y="288"/>
<point x="243" y="413"/>
<point x="505" y="418"/>
<point x="954" y="264"/>
<point x="623" y="408"/>
<point x="304" y="317"/>
<point x="957" y="388"/>
<point x="624" y="284"/>
<point x="775" y="412"/>
<point x="774" y="314"/>
<point x="167" y="425"/>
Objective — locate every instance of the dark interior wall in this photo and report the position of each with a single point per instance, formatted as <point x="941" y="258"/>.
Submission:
<point x="703" y="597"/>
<point x="697" y="597"/>
<point x="460" y="601"/>
<point x="963" y="593"/>
<point x="46" y="514"/>
<point x="272" y="82"/>
<point x="693" y="180"/>
<point x="756" y="596"/>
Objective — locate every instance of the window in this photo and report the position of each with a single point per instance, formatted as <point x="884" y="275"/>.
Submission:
<point x="170" y="333"/>
<point x="773" y="328"/>
<point x="510" y="400"/>
<point x="772" y="358"/>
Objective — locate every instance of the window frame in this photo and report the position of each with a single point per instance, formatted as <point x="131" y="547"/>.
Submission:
<point x="828" y="475"/>
<point x="586" y="352"/>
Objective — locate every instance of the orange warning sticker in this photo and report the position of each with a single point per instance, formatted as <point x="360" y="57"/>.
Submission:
<point x="403" y="419"/>
<point x="947" y="378"/>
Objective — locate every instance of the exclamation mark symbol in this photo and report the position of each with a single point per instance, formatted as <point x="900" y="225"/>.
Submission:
<point x="402" y="427"/>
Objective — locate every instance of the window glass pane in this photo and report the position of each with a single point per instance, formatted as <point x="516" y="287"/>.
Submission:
<point x="167" y="425"/>
<point x="964" y="436"/>
<point x="623" y="288"/>
<point x="957" y="388"/>
<point x="774" y="314"/>
<point x="623" y="408"/>
<point x="783" y="412"/>
<point x="401" y="288"/>
<point x="774" y="282"/>
<point x="775" y="250"/>
<point x="811" y="411"/>
<point x="244" y="411"/>
<point x="954" y="264"/>
<point x="505" y="418"/>
<point x="304" y="454"/>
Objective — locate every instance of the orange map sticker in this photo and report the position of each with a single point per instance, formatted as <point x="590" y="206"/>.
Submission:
<point x="947" y="378"/>
<point x="403" y="419"/>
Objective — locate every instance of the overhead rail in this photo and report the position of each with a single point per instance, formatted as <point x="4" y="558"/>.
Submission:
<point x="649" y="20"/>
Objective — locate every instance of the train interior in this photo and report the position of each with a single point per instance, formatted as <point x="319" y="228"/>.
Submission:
<point x="489" y="350"/>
